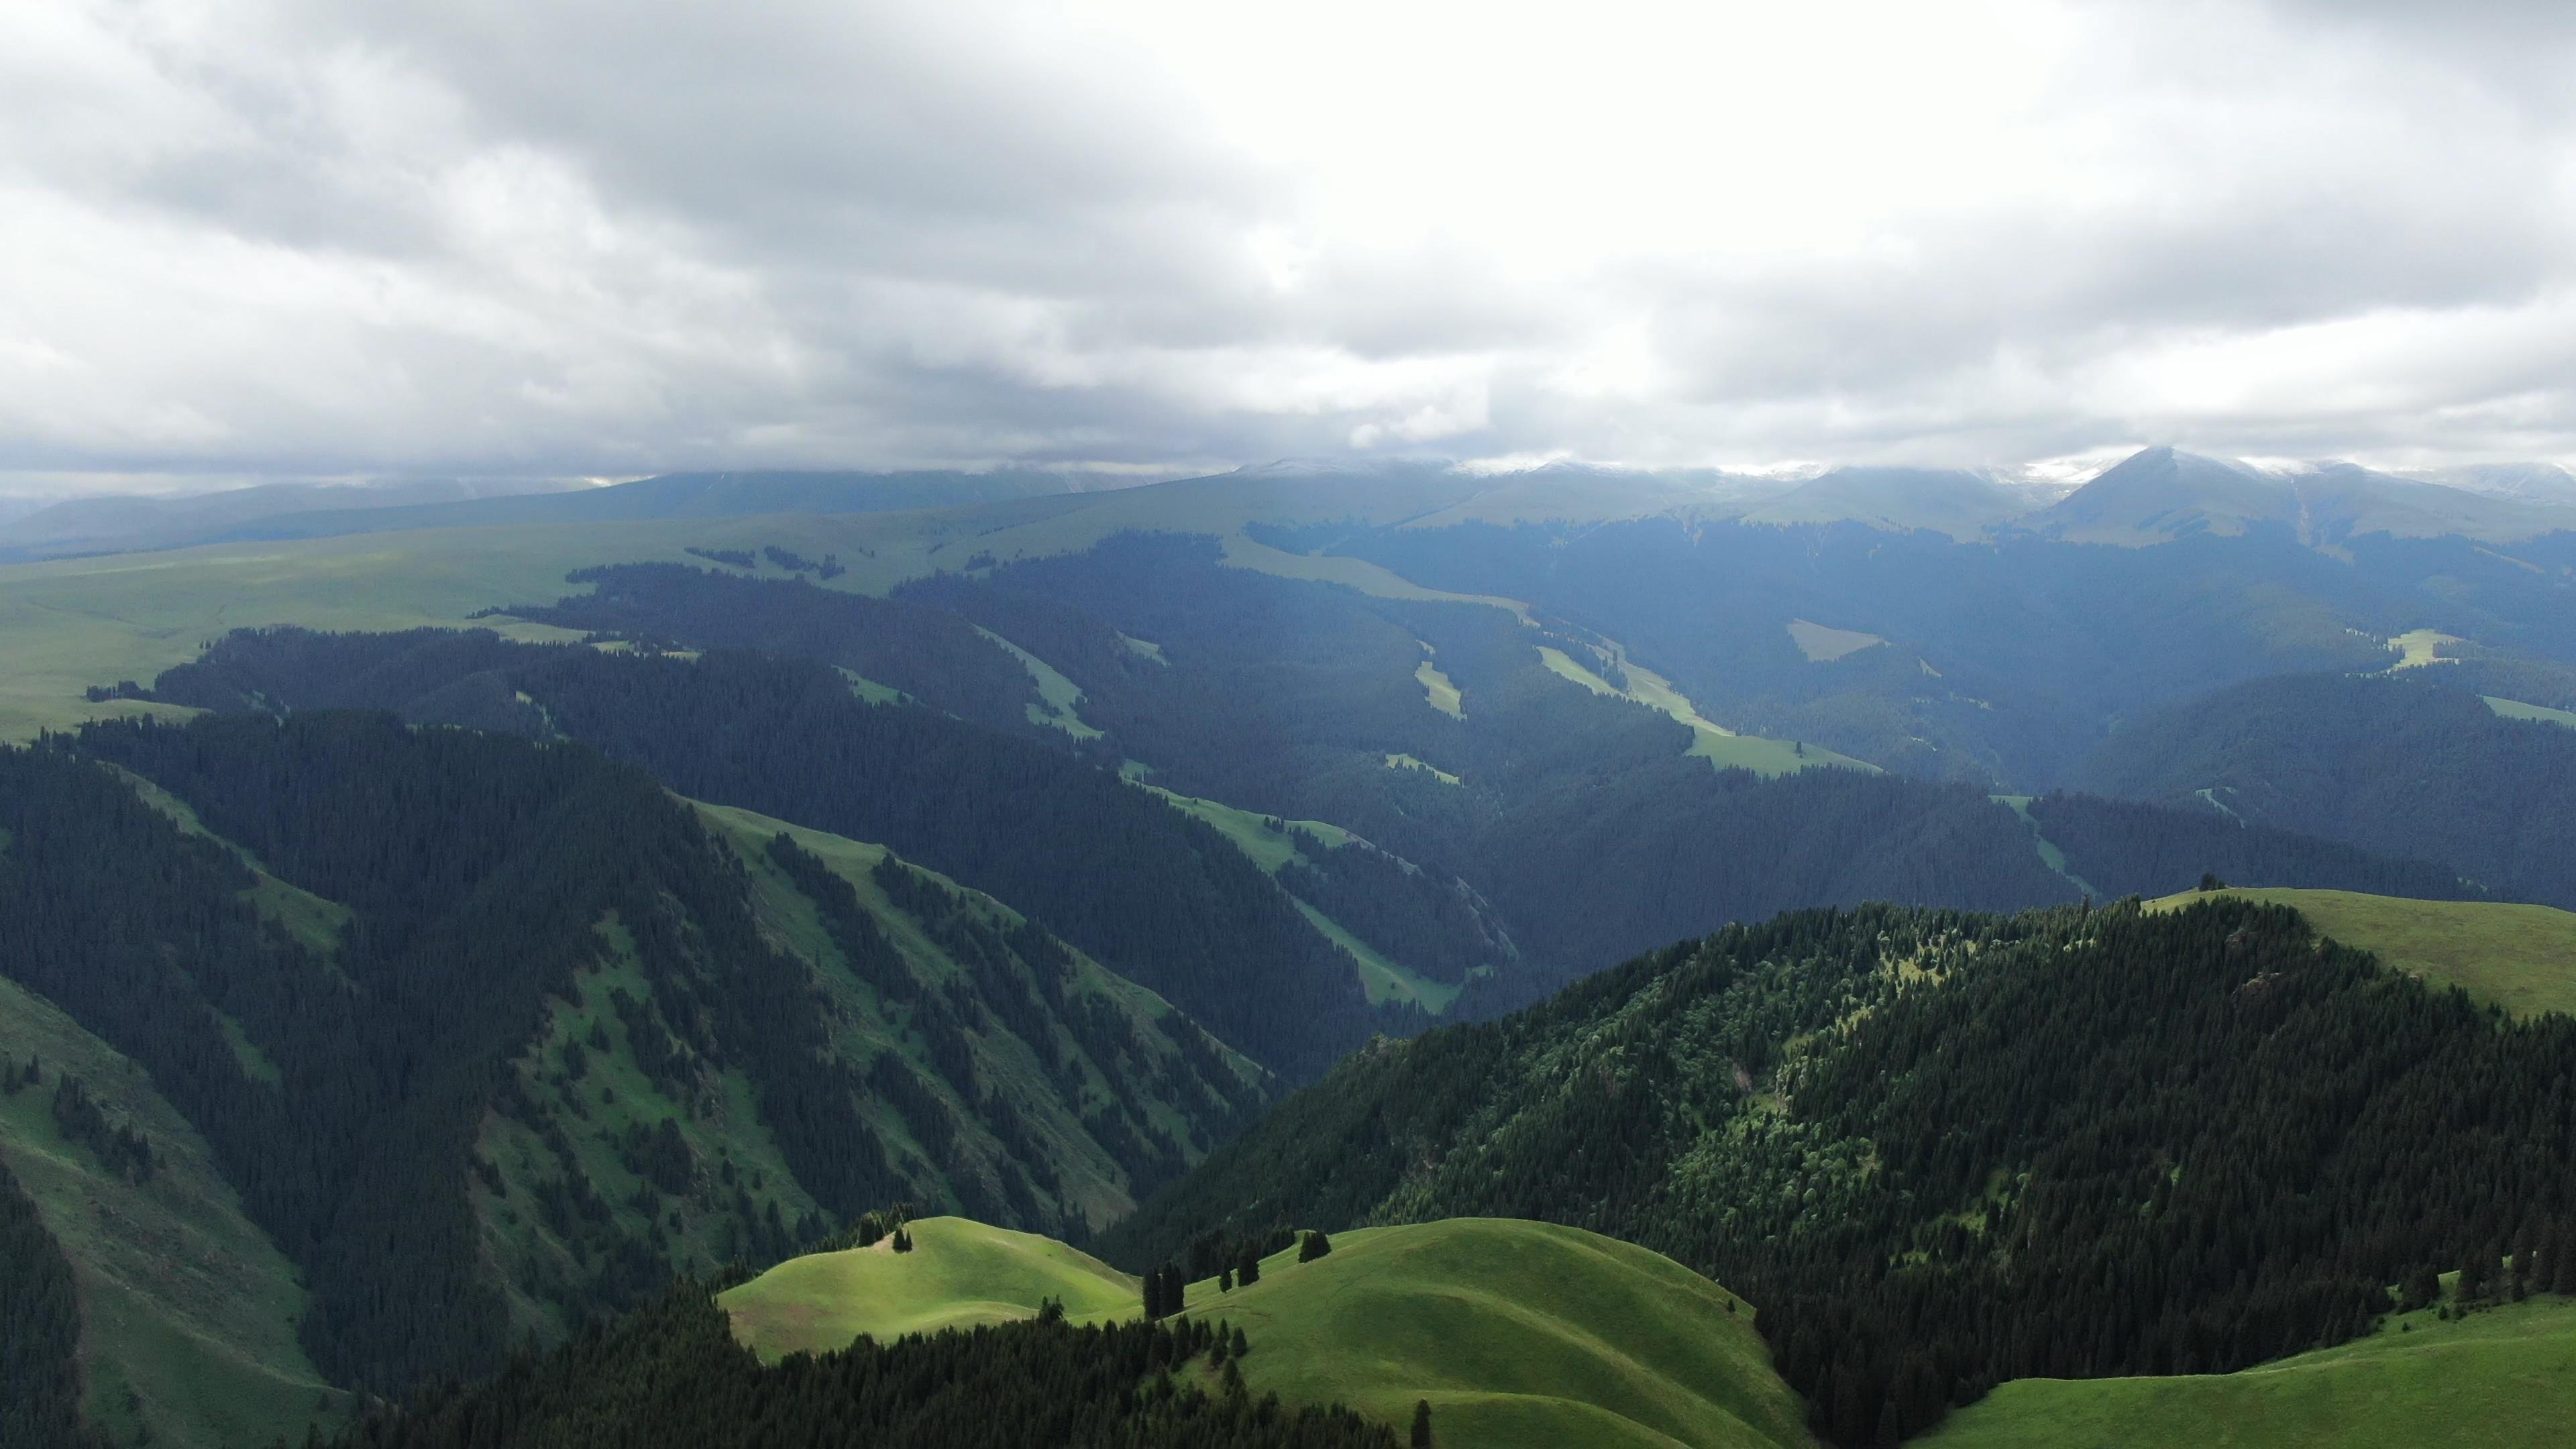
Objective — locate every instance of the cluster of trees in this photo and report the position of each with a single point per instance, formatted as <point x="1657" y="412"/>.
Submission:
<point x="2068" y="1143"/>
<point x="672" y="1374"/>
<point x="78" y="1116"/>
<point x="40" y="1329"/>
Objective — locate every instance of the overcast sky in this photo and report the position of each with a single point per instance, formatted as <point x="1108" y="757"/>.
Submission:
<point x="246" y="238"/>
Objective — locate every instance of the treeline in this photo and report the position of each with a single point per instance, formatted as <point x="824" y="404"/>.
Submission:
<point x="2393" y="764"/>
<point x="2122" y="847"/>
<point x="672" y="1374"/>
<point x="930" y="654"/>
<point x="40" y="1329"/>
<point x="1944" y="1149"/>
<point x="1154" y="895"/>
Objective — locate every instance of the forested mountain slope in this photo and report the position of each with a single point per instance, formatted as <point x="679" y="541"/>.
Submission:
<point x="2385" y="762"/>
<point x="186" y="1313"/>
<point x="530" y="1034"/>
<point x="1153" y="894"/>
<point x="1580" y="828"/>
<point x="1945" y="1149"/>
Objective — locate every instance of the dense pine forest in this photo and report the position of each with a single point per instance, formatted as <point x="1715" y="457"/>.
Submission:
<point x="40" y="1329"/>
<point x="2390" y="764"/>
<point x="671" y="1373"/>
<point x="1943" y="1149"/>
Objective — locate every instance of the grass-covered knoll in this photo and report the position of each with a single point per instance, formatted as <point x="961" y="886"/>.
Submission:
<point x="2504" y="1378"/>
<point x="2516" y="709"/>
<point x="958" y="1274"/>
<point x="2520" y="957"/>
<point x="188" y="1311"/>
<point x="1519" y="1334"/>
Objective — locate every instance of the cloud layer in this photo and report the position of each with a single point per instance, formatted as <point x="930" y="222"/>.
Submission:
<point x="300" y="237"/>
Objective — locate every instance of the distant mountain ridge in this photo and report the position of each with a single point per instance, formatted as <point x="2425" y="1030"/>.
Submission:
<point x="289" y="511"/>
<point x="2156" y="495"/>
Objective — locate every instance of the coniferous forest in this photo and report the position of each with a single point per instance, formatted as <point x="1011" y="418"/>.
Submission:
<point x="1944" y="1149"/>
<point x="671" y="1373"/>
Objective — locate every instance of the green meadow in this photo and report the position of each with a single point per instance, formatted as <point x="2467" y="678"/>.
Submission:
<point x="958" y="1274"/>
<point x="2509" y="1371"/>
<point x="2520" y="957"/>
<point x="1519" y="1334"/>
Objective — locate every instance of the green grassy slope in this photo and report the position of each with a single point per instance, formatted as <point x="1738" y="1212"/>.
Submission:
<point x="959" y="1273"/>
<point x="2516" y="709"/>
<point x="2504" y="1379"/>
<point x="188" y="1311"/>
<point x="1381" y="976"/>
<point x="1049" y="1095"/>
<point x="2520" y="957"/>
<point x="1517" y="1333"/>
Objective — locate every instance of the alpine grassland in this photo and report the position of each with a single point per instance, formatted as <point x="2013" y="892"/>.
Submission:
<point x="1516" y="1333"/>
<point x="2520" y="957"/>
<point x="958" y="1273"/>
<point x="2508" y="1370"/>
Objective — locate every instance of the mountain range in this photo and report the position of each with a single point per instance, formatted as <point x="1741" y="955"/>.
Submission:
<point x="446" y="923"/>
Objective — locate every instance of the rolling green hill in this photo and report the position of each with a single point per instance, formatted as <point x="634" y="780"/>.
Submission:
<point x="2520" y="957"/>
<point x="959" y="1273"/>
<point x="1517" y="1333"/>
<point x="2505" y="1377"/>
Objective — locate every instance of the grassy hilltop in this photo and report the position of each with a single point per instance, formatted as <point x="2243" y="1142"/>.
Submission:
<point x="1518" y="1333"/>
<point x="2520" y="957"/>
<point x="2509" y="1371"/>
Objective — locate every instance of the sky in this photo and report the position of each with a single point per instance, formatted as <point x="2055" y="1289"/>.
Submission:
<point x="270" y="238"/>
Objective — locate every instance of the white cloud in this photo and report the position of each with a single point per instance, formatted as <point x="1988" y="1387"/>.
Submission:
<point x="295" y="237"/>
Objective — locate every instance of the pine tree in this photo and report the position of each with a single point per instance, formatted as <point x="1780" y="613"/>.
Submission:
<point x="1315" y="1246"/>
<point x="1421" y="1424"/>
<point x="1247" y="1270"/>
<point x="1225" y="1279"/>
